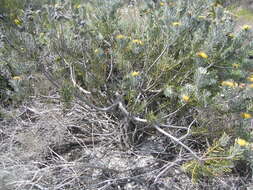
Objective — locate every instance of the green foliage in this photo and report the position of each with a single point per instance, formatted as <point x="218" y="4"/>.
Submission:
<point x="217" y="160"/>
<point x="66" y="93"/>
<point x="176" y="55"/>
<point x="5" y="88"/>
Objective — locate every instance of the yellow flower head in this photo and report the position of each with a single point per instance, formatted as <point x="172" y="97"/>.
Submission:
<point x="235" y="65"/>
<point x="229" y="84"/>
<point x="135" y="73"/>
<point x="246" y="27"/>
<point x="202" y="54"/>
<point x="250" y="78"/>
<point x="185" y="98"/>
<point x="78" y="6"/>
<point x="16" y="78"/>
<point x="241" y="142"/>
<point x="161" y="3"/>
<point x="57" y="5"/>
<point x="231" y="35"/>
<point x="201" y="17"/>
<point x="96" y="51"/>
<point x="137" y="42"/>
<point x="176" y="24"/>
<point x="17" y="21"/>
<point x="147" y="11"/>
<point x="120" y="37"/>
<point x="250" y="85"/>
<point x="246" y="115"/>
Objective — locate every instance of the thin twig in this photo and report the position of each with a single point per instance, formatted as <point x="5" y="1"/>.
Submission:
<point x="177" y="141"/>
<point x="168" y="166"/>
<point x="111" y="67"/>
<point x="157" y="59"/>
<point x="188" y="130"/>
<point x="72" y="75"/>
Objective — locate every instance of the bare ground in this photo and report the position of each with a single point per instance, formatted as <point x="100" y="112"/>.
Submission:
<point x="47" y="147"/>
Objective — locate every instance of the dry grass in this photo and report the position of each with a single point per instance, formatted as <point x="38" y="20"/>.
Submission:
<point x="43" y="147"/>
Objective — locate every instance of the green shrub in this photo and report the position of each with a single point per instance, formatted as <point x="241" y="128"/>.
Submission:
<point x="155" y="59"/>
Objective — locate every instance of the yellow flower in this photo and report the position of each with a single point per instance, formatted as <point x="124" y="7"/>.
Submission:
<point x="216" y="5"/>
<point x="241" y="142"/>
<point x="231" y="35"/>
<point x="235" y="65"/>
<point x="78" y="6"/>
<point x="201" y="17"/>
<point x="229" y="84"/>
<point x="176" y="24"/>
<point x="161" y="4"/>
<point x="246" y="27"/>
<point x="137" y="42"/>
<point x="250" y="78"/>
<point x="16" y="78"/>
<point x="185" y="98"/>
<point x="202" y="54"/>
<point x="135" y="73"/>
<point x="57" y="5"/>
<point x="96" y="51"/>
<point x="120" y="36"/>
<point x="250" y="85"/>
<point x="17" y="21"/>
<point x="246" y="115"/>
<point x="147" y="11"/>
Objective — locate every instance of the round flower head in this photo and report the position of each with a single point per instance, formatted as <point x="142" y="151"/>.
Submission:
<point x="135" y="73"/>
<point x="246" y="115"/>
<point x="16" y="78"/>
<point x="202" y="55"/>
<point x="137" y="42"/>
<point x="185" y="98"/>
<point x="120" y="36"/>
<point x="229" y="84"/>
<point x="176" y="24"/>
<point x="246" y="27"/>
<point x="17" y="21"/>
<point x="241" y="142"/>
<point x="250" y="78"/>
<point x="250" y="85"/>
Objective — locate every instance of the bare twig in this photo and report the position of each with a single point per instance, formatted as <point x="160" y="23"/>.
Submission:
<point x="72" y="75"/>
<point x="188" y="130"/>
<point x="167" y="166"/>
<point x="118" y="103"/>
<point x="157" y="59"/>
<point x="111" y="67"/>
<point x="177" y="141"/>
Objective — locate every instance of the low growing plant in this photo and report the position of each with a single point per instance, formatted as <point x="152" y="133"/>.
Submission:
<point x="179" y="62"/>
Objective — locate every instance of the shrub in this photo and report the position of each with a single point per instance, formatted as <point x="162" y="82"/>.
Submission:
<point x="167" y="64"/>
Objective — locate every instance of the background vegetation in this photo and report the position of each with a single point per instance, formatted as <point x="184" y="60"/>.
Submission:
<point x="111" y="95"/>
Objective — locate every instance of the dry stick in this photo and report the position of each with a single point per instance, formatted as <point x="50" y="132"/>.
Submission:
<point x="168" y="166"/>
<point x="28" y="183"/>
<point x="157" y="59"/>
<point x="103" y="109"/>
<point x="177" y="141"/>
<point x="111" y="67"/>
<point x="127" y="114"/>
<point x="121" y="107"/>
<point x="188" y="130"/>
<point x="73" y="79"/>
